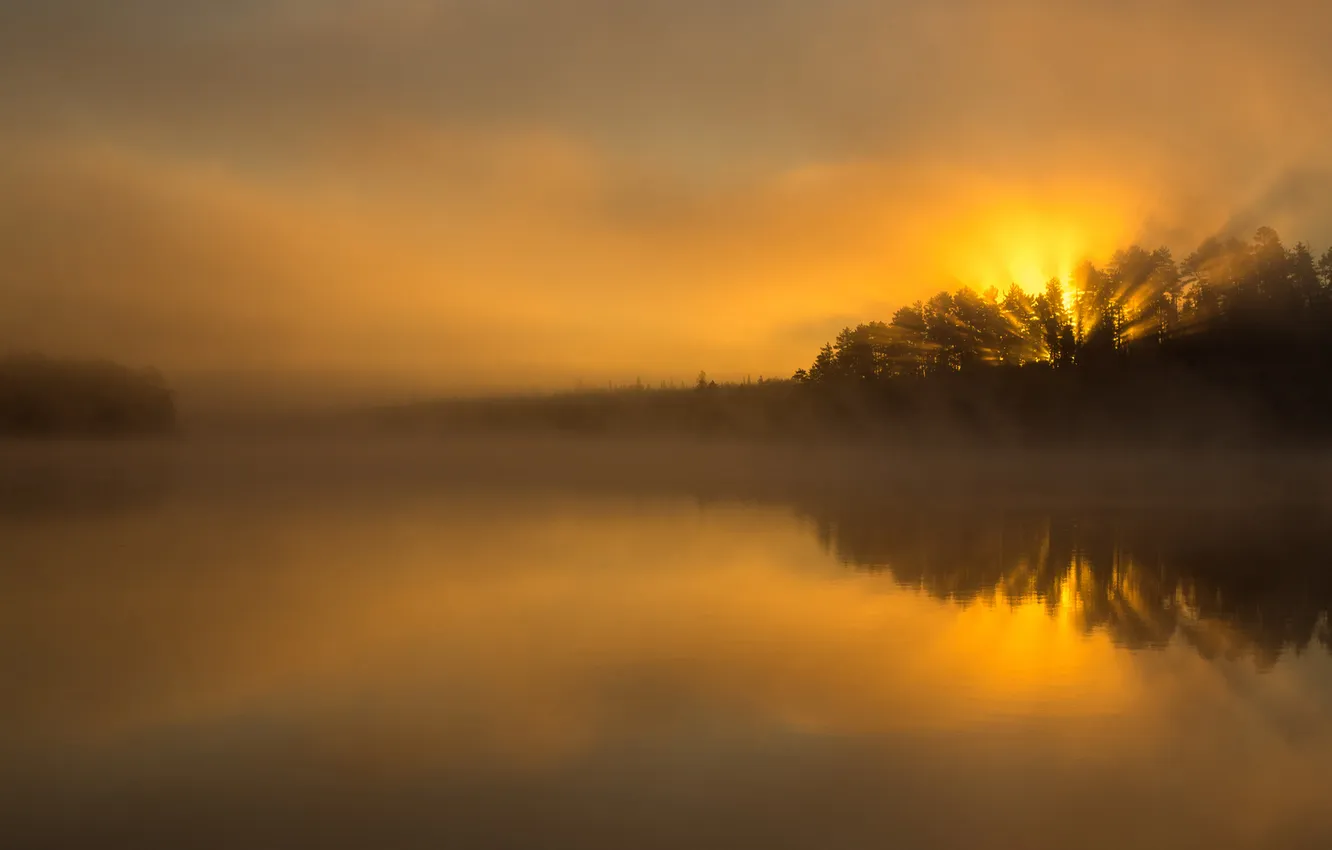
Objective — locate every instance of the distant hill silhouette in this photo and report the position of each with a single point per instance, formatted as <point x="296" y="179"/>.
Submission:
<point x="43" y="397"/>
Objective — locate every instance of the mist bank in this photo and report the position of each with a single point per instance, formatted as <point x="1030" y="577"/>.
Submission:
<point x="1152" y="542"/>
<point x="1141" y="403"/>
<point x="306" y="469"/>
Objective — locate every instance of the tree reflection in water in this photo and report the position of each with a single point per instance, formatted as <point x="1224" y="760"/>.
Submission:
<point x="1228" y="581"/>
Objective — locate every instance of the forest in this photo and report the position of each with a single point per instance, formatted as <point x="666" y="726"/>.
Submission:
<point x="1230" y="346"/>
<point x="1228" y="301"/>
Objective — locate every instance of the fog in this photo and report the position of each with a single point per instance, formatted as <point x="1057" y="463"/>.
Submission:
<point x="351" y="467"/>
<point x="521" y="640"/>
<point x="441" y="196"/>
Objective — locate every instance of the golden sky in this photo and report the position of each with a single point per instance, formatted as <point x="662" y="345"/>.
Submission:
<point x="519" y="194"/>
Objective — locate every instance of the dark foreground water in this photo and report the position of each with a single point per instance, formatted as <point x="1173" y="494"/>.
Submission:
<point x="287" y="657"/>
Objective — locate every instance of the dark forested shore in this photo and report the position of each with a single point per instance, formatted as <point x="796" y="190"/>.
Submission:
<point x="44" y="397"/>
<point x="1231" y="345"/>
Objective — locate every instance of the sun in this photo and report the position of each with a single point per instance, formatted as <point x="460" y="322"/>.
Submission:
<point x="1012" y="237"/>
<point x="1025" y="250"/>
<point x="1034" y="261"/>
<point x="1028" y="272"/>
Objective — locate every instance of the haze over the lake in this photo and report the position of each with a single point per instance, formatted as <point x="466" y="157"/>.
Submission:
<point x="508" y="193"/>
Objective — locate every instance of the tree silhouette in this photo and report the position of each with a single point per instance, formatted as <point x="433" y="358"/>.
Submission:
<point x="1227" y="296"/>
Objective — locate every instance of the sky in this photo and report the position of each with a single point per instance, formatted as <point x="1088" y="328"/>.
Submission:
<point x="445" y="195"/>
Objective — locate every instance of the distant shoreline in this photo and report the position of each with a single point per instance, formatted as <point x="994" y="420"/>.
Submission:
<point x="42" y="397"/>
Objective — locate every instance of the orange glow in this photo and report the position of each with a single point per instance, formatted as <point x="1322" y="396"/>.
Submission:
<point x="778" y="625"/>
<point x="1017" y="238"/>
<point x="398" y="636"/>
<point x="469" y="230"/>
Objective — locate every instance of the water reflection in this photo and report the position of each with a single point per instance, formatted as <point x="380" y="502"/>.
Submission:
<point x="428" y="662"/>
<point x="1255" y="580"/>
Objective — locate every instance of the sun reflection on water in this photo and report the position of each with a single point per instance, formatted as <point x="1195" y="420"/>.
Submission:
<point x="398" y="644"/>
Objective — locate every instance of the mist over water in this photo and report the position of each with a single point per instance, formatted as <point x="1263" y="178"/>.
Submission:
<point x="499" y="642"/>
<point x="815" y="424"/>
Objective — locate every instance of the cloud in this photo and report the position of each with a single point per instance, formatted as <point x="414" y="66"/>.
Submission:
<point x="514" y="192"/>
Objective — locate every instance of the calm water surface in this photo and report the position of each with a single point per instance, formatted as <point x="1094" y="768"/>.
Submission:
<point x="540" y="667"/>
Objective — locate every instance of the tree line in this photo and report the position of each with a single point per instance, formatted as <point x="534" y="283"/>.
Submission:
<point x="41" y="397"/>
<point x="1229" y="298"/>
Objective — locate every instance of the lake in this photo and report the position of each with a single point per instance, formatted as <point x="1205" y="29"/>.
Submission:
<point x="483" y="647"/>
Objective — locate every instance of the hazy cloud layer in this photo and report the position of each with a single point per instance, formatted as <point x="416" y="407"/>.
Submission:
<point x="519" y="193"/>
